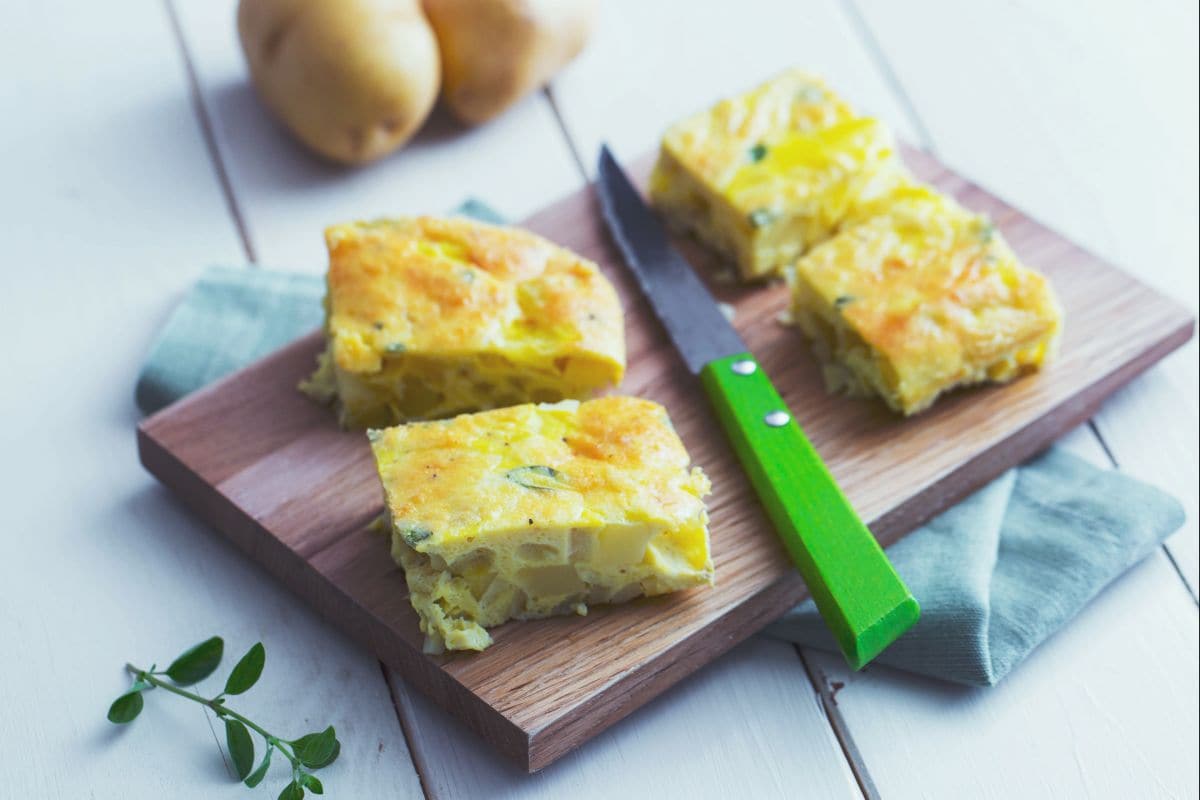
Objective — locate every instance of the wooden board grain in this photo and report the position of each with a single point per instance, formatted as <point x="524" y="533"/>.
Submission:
<point x="272" y="471"/>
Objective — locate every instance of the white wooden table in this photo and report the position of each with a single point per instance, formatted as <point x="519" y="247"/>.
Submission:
<point x="133" y="153"/>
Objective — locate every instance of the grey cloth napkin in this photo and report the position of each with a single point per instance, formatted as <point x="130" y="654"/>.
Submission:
<point x="995" y="575"/>
<point x="230" y="317"/>
<point x="999" y="573"/>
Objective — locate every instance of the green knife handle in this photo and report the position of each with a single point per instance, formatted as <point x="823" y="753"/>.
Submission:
<point x="861" y="598"/>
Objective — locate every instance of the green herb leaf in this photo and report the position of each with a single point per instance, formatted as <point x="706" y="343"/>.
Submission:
<point x="247" y="671"/>
<point x="197" y="663"/>
<point x="317" y="750"/>
<point x="337" y="751"/>
<point x="761" y="217"/>
<point x="537" y="477"/>
<point x="374" y="434"/>
<point x="757" y="153"/>
<point x="987" y="232"/>
<point x="810" y="94"/>
<point x="241" y="747"/>
<point x="309" y="752"/>
<point x="126" y="707"/>
<point x="395" y="347"/>
<point x="842" y="301"/>
<point x="256" y="777"/>
<point x="312" y="783"/>
<point x="414" y="533"/>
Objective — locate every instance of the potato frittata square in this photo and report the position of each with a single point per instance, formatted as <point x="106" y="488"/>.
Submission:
<point x="919" y="298"/>
<point x="429" y="317"/>
<point x="534" y="510"/>
<point x="764" y="176"/>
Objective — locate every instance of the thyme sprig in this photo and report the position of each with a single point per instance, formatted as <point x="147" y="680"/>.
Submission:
<point x="310" y="752"/>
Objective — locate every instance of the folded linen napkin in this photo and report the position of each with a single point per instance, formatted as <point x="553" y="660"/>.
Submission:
<point x="1000" y="572"/>
<point x="232" y="316"/>
<point x="995" y="575"/>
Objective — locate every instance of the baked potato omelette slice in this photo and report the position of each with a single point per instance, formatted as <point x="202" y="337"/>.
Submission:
<point x="919" y="296"/>
<point x="764" y="176"/>
<point x="429" y="317"/>
<point x="534" y="510"/>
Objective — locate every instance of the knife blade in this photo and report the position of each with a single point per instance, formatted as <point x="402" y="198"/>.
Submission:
<point x="862" y="600"/>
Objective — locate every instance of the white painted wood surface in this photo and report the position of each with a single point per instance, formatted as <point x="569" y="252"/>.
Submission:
<point x="110" y="209"/>
<point x="1105" y="708"/>
<point x="114" y="205"/>
<point x="750" y="720"/>
<point x="1068" y="723"/>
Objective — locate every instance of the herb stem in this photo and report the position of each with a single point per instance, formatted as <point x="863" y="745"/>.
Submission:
<point x="220" y="709"/>
<point x="311" y="751"/>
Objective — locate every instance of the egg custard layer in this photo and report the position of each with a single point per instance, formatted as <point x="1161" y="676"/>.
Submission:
<point x="429" y="317"/>
<point x="764" y="176"/>
<point x="535" y="510"/>
<point x="918" y="296"/>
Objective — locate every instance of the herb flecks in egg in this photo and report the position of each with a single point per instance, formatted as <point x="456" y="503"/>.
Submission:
<point x="537" y="477"/>
<point x="414" y="533"/>
<point x="761" y="217"/>
<point x="525" y="526"/>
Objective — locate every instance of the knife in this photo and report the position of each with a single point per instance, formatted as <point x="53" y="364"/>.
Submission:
<point x="861" y="598"/>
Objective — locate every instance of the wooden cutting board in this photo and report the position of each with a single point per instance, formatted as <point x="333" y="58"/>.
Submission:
<point x="272" y="471"/>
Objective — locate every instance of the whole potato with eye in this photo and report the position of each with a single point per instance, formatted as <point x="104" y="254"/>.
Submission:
<point x="352" y="79"/>
<point x="494" y="52"/>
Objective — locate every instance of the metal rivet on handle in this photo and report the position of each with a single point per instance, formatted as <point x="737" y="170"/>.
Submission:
<point x="743" y="367"/>
<point x="777" y="419"/>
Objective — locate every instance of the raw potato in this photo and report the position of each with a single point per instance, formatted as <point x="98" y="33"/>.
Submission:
<point x="352" y="79"/>
<point x="494" y="52"/>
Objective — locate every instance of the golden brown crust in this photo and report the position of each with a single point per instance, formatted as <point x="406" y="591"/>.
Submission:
<point x="763" y="176"/>
<point x="489" y="306"/>
<point x="922" y="296"/>
<point x="529" y="511"/>
<point x="617" y="459"/>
